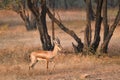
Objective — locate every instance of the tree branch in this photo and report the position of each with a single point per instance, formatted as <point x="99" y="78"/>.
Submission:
<point x="70" y="32"/>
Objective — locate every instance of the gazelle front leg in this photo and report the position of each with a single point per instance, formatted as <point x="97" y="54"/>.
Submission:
<point x="47" y="62"/>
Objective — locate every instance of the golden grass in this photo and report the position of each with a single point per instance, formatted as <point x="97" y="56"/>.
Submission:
<point x="66" y="65"/>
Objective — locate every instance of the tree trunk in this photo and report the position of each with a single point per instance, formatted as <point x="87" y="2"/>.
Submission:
<point x="91" y="12"/>
<point x="41" y="22"/>
<point x="105" y="23"/>
<point x="53" y="26"/>
<point x="79" y="47"/>
<point x="46" y="37"/>
<point x="30" y="23"/>
<point x="29" y="19"/>
<point x="87" y="36"/>
<point x="96" y="40"/>
<point x="109" y="36"/>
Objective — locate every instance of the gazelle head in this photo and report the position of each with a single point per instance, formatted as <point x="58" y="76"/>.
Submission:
<point x="57" y="43"/>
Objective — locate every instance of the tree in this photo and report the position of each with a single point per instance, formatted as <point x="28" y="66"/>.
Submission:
<point x="91" y="12"/>
<point x="87" y="34"/>
<point x="20" y="6"/>
<point x="109" y="31"/>
<point x="27" y="17"/>
<point x="98" y="22"/>
<point x="41" y="21"/>
<point x="105" y="22"/>
<point x="77" y="48"/>
<point x="39" y="11"/>
<point x="92" y="47"/>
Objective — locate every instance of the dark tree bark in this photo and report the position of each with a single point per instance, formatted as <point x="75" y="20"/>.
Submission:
<point x="105" y="23"/>
<point x="53" y="26"/>
<point x="109" y="35"/>
<point x="27" y="17"/>
<point x="47" y="42"/>
<point x="41" y="22"/>
<point x="91" y="13"/>
<point x="87" y="36"/>
<point x="79" y="47"/>
<point x="96" y="40"/>
<point x="30" y="23"/>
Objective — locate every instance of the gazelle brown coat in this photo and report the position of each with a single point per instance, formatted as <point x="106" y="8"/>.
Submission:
<point x="45" y="55"/>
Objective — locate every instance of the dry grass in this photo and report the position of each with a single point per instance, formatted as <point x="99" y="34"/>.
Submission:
<point x="70" y="67"/>
<point x="16" y="44"/>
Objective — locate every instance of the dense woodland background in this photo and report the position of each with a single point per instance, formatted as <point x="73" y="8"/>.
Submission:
<point x="66" y="4"/>
<point x="73" y="4"/>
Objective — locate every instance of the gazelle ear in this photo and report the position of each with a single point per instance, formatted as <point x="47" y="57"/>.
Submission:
<point x="58" y="40"/>
<point x="55" y="42"/>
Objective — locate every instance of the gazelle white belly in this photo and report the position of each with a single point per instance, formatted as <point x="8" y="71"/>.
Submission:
<point x="40" y="59"/>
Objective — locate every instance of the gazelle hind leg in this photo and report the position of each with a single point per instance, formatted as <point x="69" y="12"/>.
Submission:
<point x="54" y="65"/>
<point x="33" y="62"/>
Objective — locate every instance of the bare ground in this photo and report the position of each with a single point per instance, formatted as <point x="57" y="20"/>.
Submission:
<point x="16" y="44"/>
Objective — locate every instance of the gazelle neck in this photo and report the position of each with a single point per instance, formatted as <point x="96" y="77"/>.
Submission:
<point x="55" y="50"/>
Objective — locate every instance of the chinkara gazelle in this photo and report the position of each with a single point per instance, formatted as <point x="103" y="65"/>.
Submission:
<point x="45" y="55"/>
